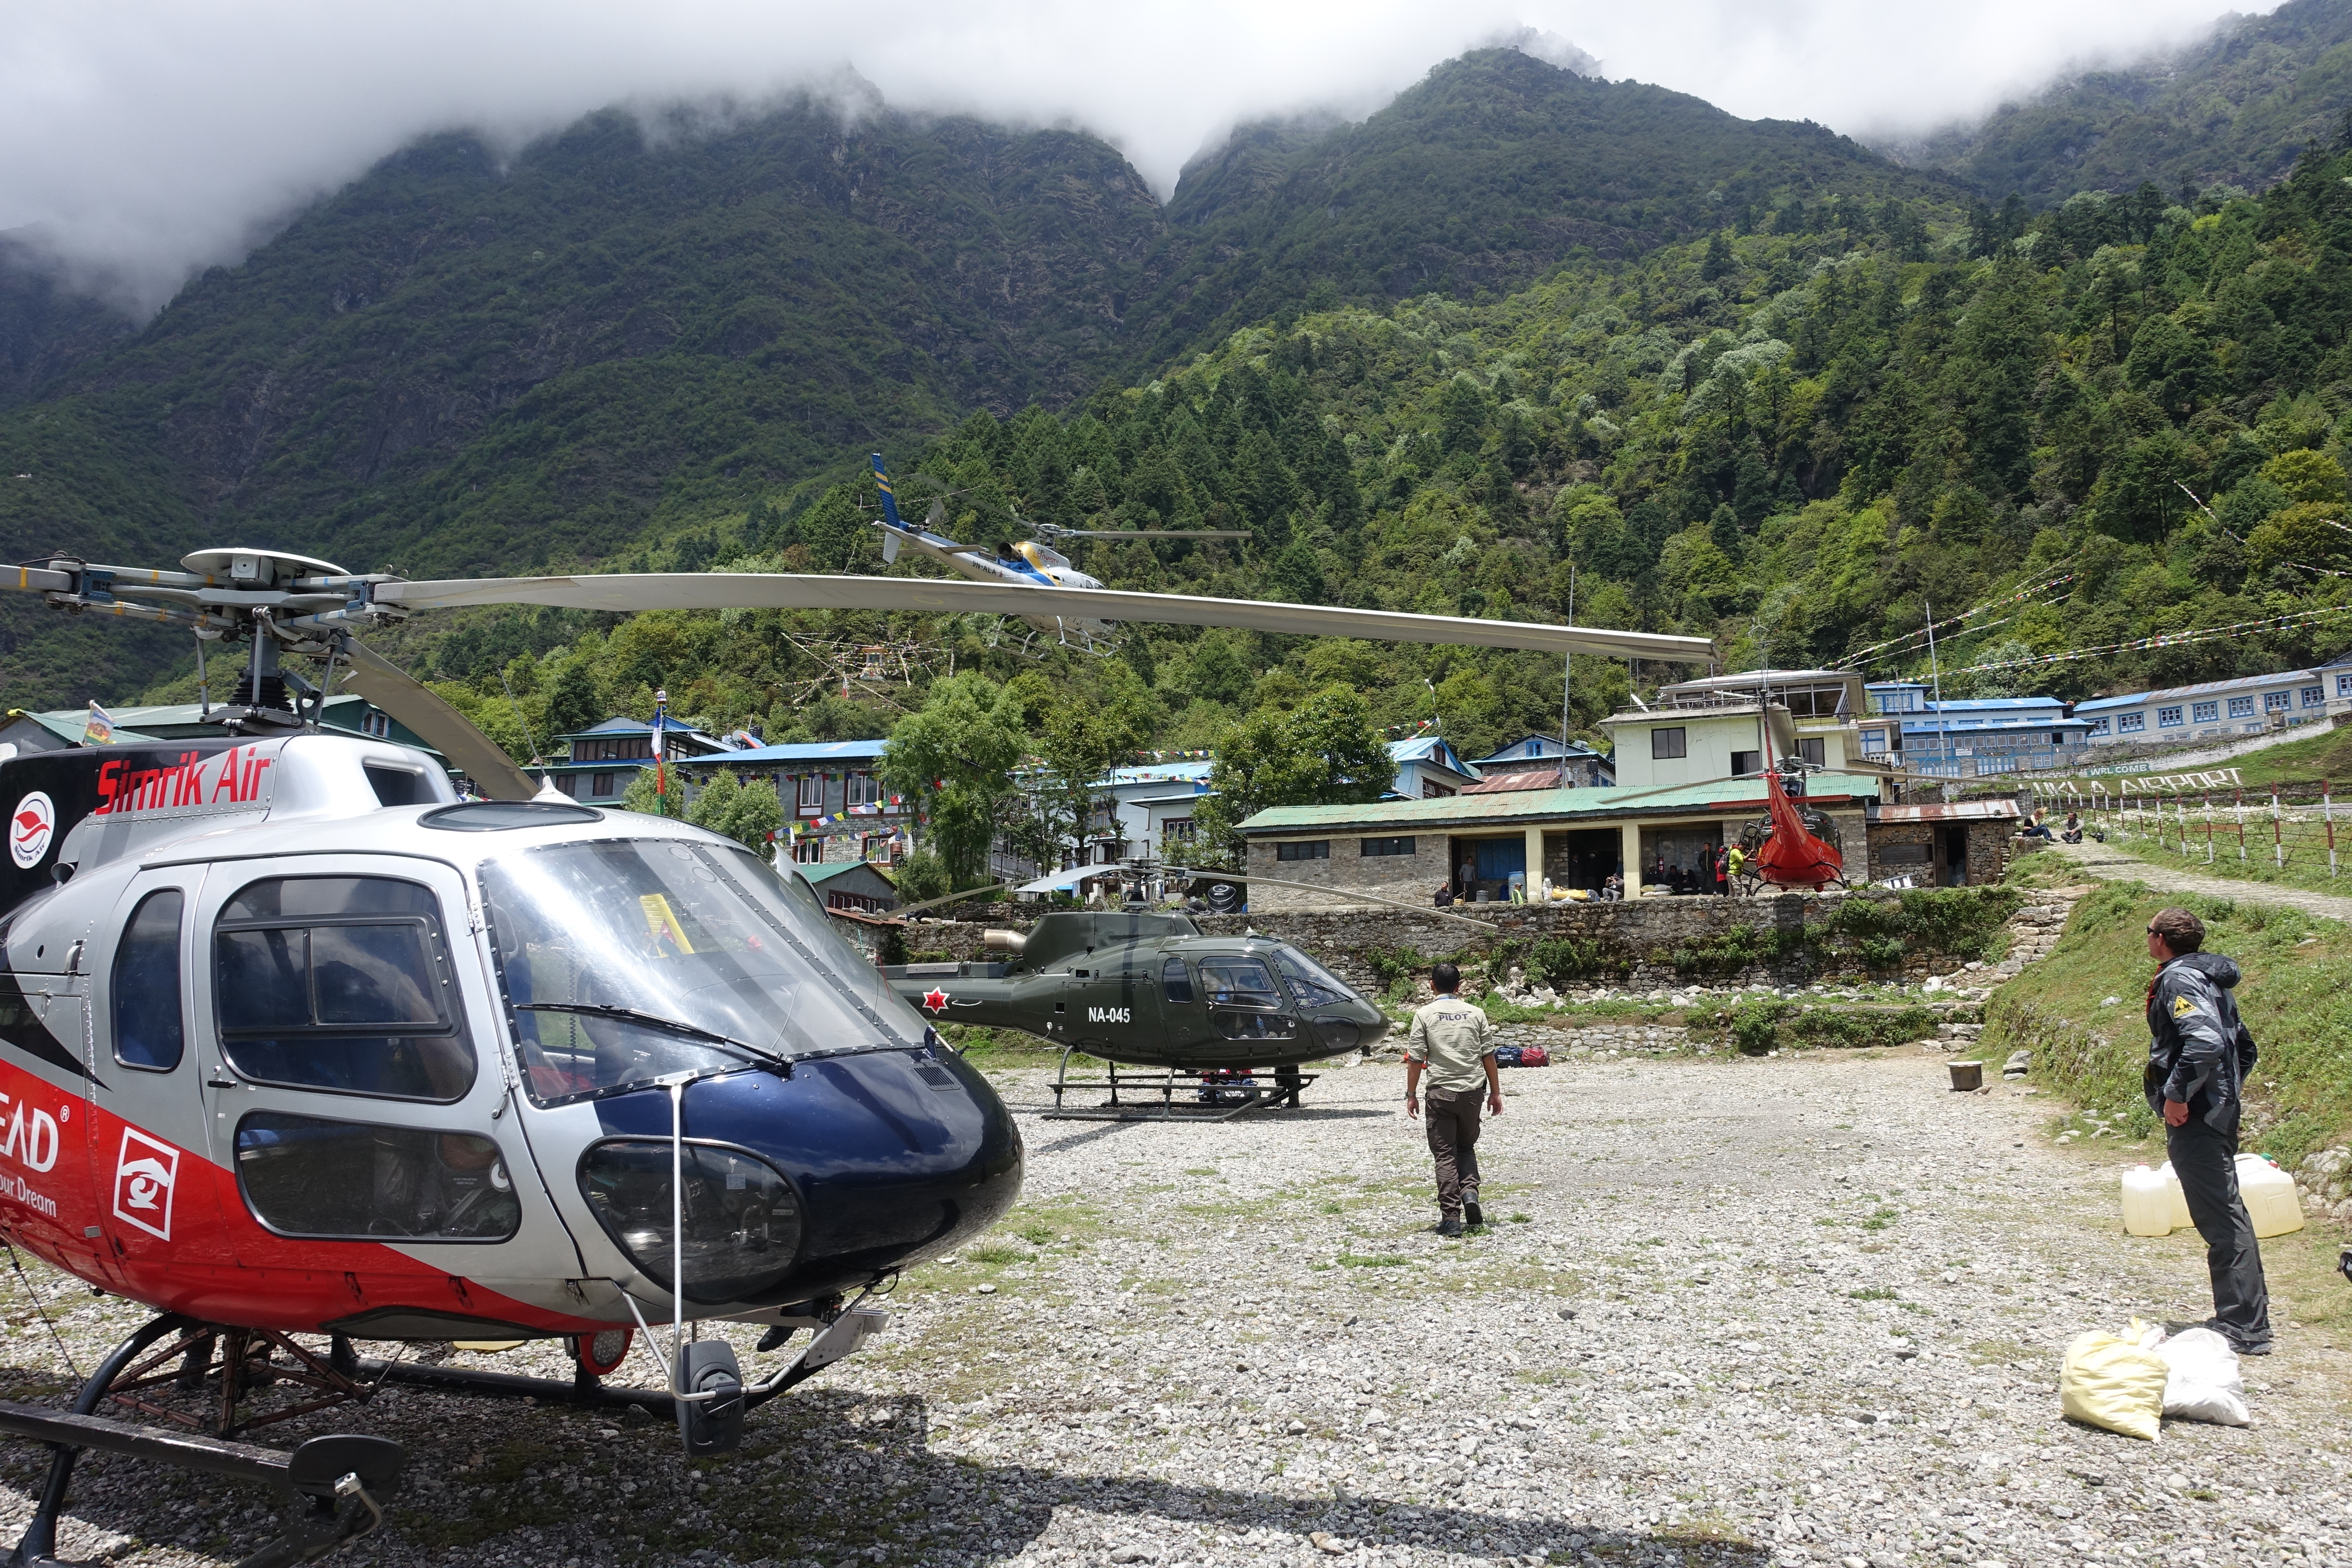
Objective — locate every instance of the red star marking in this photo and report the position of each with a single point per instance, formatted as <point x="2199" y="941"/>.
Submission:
<point x="935" y="1000"/>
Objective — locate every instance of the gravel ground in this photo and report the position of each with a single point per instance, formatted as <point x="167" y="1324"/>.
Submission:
<point x="1804" y="1309"/>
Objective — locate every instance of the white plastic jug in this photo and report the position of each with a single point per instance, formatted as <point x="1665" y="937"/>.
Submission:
<point x="2269" y="1194"/>
<point x="2148" y="1205"/>
<point x="2180" y="1220"/>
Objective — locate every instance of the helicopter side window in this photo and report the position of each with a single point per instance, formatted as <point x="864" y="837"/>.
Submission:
<point x="308" y="1175"/>
<point x="339" y="984"/>
<point x="1239" y="982"/>
<point x="1176" y="981"/>
<point x="1311" y="982"/>
<point x="149" y="1031"/>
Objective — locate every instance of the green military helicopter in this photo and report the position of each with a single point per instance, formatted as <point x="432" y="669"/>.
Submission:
<point x="1151" y="991"/>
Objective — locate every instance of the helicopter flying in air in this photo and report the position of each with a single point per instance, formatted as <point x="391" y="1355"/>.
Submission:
<point x="1029" y="562"/>
<point x="295" y="1041"/>
<point x="1150" y="990"/>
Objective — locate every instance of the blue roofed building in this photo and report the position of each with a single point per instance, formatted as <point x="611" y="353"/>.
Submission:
<point x="1961" y="736"/>
<point x="1565" y="764"/>
<point x="831" y="792"/>
<point x="2223" y="710"/>
<point x="1428" y="769"/>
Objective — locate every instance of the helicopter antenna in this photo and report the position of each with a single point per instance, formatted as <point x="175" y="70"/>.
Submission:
<point x="512" y="703"/>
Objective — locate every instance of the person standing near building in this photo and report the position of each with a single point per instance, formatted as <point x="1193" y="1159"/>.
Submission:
<point x="2198" y="1057"/>
<point x="1453" y="1043"/>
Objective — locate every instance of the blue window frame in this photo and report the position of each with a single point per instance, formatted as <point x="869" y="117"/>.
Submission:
<point x="2098" y="727"/>
<point x="2314" y="697"/>
<point x="2204" y="712"/>
<point x="2167" y="718"/>
<point x="2277" y="702"/>
<point x="2344" y="685"/>
<point x="2130" y="723"/>
<point x="2242" y="707"/>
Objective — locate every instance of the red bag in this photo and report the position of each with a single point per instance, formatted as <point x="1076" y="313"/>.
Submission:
<point x="1533" y="1057"/>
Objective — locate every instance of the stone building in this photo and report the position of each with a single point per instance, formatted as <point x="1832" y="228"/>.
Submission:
<point x="1943" y="844"/>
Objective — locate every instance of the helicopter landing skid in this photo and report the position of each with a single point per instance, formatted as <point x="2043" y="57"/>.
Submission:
<point x="1157" y="1094"/>
<point x="334" y="1482"/>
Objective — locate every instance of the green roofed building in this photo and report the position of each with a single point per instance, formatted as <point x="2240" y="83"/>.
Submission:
<point x="1407" y="849"/>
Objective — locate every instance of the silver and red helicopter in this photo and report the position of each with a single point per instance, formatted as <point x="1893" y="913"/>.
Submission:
<point x="301" y="1049"/>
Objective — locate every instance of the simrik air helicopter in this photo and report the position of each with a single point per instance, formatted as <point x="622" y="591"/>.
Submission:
<point x="295" y="1041"/>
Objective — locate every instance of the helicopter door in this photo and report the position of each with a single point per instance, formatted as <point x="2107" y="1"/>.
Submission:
<point x="145" y="1134"/>
<point x="354" y="1095"/>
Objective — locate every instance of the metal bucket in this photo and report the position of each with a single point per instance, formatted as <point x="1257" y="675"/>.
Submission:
<point x="1967" y="1076"/>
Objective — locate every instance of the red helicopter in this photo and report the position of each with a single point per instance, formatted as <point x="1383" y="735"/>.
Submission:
<point x="1790" y="848"/>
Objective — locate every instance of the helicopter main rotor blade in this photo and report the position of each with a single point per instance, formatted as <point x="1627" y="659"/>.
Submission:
<point x="436" y="723"/>
<point x="1151" y="532"/>
<point x="623" y="591"/>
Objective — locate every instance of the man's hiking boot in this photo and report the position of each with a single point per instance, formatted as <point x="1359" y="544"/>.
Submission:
<point x="1450" y="1225"/>
<point x="1471" y="1211"/>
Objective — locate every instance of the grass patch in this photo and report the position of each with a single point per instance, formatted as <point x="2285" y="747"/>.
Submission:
<point x="1373" y="1260"/>
<point x="2296" y="998"/>
<point x="2305" y="868"/>
<point x="1872" y="1293"/>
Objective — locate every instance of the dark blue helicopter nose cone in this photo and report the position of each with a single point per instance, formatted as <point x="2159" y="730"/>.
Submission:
<point x="895" y="1155"/>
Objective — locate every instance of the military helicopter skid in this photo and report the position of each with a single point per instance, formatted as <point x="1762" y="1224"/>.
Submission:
<point x="295" y="1042"/>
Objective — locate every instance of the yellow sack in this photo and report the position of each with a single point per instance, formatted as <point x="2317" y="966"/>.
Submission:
<point x="2113" y="1383"/>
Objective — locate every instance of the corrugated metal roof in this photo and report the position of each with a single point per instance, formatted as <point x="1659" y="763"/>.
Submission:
<point x="2166" y="694"/>
<point x="810" y="752"/>
<point x="825" y="873"/>
<point x="1515" y="809"/>
<point x="1949" y="811"/>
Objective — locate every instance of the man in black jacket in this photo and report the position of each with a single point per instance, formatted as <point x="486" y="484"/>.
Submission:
<point x="2198" y="1057"/>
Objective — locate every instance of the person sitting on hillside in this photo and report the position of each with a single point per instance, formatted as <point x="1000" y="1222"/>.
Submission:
<point x="2034" y="827"/>
<point x="1444" y="895"/>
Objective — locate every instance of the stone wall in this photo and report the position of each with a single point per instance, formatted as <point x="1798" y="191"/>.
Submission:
<point x="1989" y="843"/>
<point x="1641" y="936"/>
<point x="1411" y="879"/>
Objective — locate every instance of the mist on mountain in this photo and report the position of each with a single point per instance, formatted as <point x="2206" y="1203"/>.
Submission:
<point x="155" y="140"/>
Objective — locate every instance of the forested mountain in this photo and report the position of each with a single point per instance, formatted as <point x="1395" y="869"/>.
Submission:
<point x="1794" y="442"/>
<point x="1493" y="171"/>
<point x="456" y="366"/>
<point x="2235" y="109"/>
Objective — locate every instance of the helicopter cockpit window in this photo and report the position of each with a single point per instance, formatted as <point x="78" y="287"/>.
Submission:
<point x="339" y="984"/>
<point x="1311" y="982"/>
<point x="1175" y="982"/>
<point x="1239" y="982"/>
<point x="625" y="960"/>
<point x="305" y="1175"/>
<point x="149" y="1031"/>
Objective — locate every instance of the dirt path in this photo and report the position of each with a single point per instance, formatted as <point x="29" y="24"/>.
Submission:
<point x="2111" y="864"/>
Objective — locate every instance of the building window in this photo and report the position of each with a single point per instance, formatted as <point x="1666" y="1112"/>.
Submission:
<point x="1176" y="830"/>
<point x="2242" y="707"/>
<point x="599" y="783"/>
<point x="864" y="789"/>
<point x="1874" y="741"/>
<point x="1378" y="847"/>
<point x="2205" y="712"/>
<point x="809" y="851"/>
<point x="569" y="783"/>
<point x="1307" y="849"/>
<point x="2314" y="697"/>
<point x="1432" y="790"/>
<point x="2130" y="723"/>
<point x="2344" y="685"/>
<point x="2277" y="702"/>
<point x="1667" y="742"/>
<point x="2057" y="737"/>
<point x="2098" y="727"/>
<point x="2167" y="718"/>
<point x="1816" y="752"/>
<point x="1746" y="762"/>
<point x="811" y="793"/>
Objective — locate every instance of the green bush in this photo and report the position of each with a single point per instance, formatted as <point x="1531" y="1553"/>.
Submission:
<point x="1730" y="953"/>
<point x="1564" y="961"/>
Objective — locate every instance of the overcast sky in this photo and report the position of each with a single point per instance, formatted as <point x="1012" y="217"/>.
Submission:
<point x="154" y="137"/>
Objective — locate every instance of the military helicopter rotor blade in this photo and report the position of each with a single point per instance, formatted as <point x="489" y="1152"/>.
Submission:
<point x="436" y="723"/>
<point x="1052" y="531"/>
<point x="624" y="592"/>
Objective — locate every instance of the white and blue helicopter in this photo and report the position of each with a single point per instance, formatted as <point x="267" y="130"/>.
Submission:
<point x="303" y="1052"/>
<point x="1029" y="562"/>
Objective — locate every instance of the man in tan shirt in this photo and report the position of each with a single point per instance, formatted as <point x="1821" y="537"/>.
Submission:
<point x="1452" y="1042"/>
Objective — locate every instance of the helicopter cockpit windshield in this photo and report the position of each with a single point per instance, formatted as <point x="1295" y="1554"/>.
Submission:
<point x="623" y="960"/>
<point x="1311" y="982"/>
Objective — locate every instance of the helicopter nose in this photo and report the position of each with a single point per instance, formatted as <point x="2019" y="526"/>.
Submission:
<point x="895" y="1155"/>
